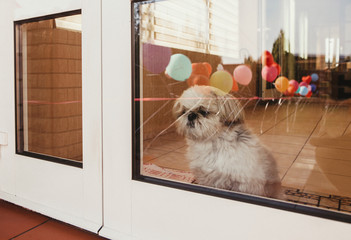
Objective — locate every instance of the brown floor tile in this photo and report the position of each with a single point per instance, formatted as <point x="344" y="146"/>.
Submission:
<point x="326" y="152"/>
<point x="151" y="153"/>
<point x="290" y="149"/>
<point x="55" y="230"/>
<point x="15" y="220"/>
<point x="291" y="140"/>
<point x="173" y="160"/>
<point x="327" y="165"/>
<point x="343" y="142"/>
<point x="166" y="145"/>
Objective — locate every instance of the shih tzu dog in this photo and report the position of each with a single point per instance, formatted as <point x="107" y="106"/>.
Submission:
<point x="223" y="153"/>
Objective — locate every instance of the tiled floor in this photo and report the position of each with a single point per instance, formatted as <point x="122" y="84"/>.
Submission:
<point x="19" y="223"/>
<point x="311" y="143"/>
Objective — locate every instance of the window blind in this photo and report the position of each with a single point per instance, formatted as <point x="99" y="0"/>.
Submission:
<point x="207" y="26"/>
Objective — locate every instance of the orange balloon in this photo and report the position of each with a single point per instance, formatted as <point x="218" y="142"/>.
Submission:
<point x="209" y="67"/>
<point x="200" y="69"/>
<point x="201" y="80"/>
<point x="190" y="81"/>
<point x="198" y="80"/>
<point x="281" y="84"/>
<point x="235" y="87"/>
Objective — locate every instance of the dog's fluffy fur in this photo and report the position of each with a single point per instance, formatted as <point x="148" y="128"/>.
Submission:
<point x="223" y="152"/>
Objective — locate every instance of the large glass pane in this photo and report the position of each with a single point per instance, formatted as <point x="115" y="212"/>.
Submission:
<point x="49" y="88"/>
<point x="246" y="96"/>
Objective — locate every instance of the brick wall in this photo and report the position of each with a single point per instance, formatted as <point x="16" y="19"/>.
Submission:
<point x="54" y="90"/>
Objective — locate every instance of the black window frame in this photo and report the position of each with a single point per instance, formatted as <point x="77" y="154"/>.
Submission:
<point x="136" y="137"/>
<point x="18" y="73"/>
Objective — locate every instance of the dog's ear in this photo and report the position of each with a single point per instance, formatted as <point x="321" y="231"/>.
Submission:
<point x="177" y="109"/>
<point x="230" y="110"/>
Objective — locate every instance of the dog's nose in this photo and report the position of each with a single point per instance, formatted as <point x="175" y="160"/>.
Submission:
<point x="192" y="116"/>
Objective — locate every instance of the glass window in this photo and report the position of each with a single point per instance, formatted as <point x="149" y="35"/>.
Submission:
<point x="49" y="88"/>
<point x="250" y="99"/>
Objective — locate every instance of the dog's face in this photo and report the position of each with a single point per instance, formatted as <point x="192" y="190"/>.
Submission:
<point x="204" y="111"/>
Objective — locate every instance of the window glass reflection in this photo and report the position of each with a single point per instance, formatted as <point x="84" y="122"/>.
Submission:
<point x="285" y="66"/>
<point x="49" y="88"/>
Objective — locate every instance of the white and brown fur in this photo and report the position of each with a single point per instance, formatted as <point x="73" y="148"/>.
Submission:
<point x="223" y="153"/>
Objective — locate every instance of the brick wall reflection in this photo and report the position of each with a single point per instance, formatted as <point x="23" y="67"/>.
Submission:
<point x="54" y="90"/>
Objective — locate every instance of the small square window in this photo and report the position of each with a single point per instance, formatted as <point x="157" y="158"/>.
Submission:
<point x="49" y="88"/>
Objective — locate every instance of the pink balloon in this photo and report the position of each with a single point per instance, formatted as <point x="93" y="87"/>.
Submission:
<point x="156" y="58"/>
<point x="294" y="83"/>
<point x="269" y="73"/>
<point x="303" y="84"/>
<point x="242" y="74"/>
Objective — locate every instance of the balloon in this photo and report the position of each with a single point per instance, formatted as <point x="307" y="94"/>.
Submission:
<point x="307" y="79"/>
<point x="291" y="90"/>
<point x="298" y="90"/>
<point x="156" y="58"/>
<point x="277" y="66"/>
<point x="267" y="59"/>
<point x="235" y="87"/>
<point x="209" y="67"/>
<point x="309" y="94"/>
<point x="294" y="84"/>
<point x="303" y="90"/>
<point x="303" y="84"/>
<point x="281" y="84"/>
<point x="179" y="67"/>
<point x="222" y="80"/>
<point x="313" y="87"/>
<point x="198" y="80"/>
<point x="200" y="69"/>
<point x="309" y="88"/>
<point x="242" y="74"/>
<point x="200" y="74"/>
<point x="314" y="77"/>
<point x="269" y="73"/>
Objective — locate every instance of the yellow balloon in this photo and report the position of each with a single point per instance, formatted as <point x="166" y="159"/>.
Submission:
<point x="281" y="84"/>
<point x="222" y="80"/>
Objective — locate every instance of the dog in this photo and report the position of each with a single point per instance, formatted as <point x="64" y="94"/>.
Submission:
<point x="223" y="153"/>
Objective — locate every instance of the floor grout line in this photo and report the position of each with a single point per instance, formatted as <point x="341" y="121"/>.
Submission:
<point x="31" y="229"/>
<point x="343" y="134"/>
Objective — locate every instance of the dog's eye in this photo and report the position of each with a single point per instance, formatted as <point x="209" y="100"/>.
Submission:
<point x="203" y="112"/>
<point x="182" y="113"/>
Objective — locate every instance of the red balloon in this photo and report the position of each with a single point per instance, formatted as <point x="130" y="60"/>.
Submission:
<point x="291" y="90"/>
<point x="277" y="66"/>
<point x="267" y="59"/>
<point x="269" y="73"/>
<point x="294" y="84"/>
<point x="307" y="79"/>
